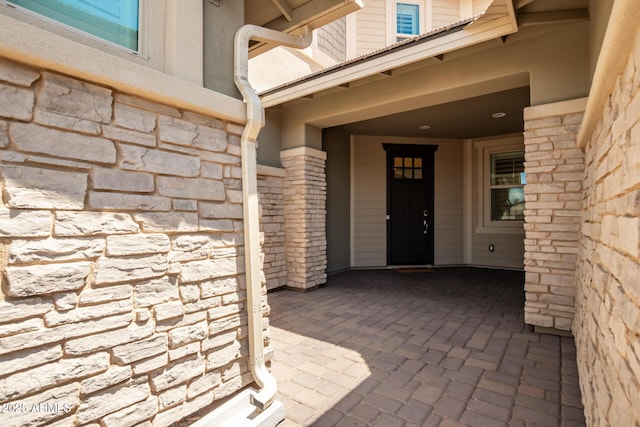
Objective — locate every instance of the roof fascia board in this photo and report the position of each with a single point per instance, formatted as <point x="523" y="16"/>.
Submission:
<point x="468" y="36"/>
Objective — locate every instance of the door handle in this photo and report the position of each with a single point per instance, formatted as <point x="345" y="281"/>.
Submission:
<point x="425" y="214"/>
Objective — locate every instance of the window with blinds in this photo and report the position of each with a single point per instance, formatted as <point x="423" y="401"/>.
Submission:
<point x="407" y="20"/>
<point x="506" y="185"/>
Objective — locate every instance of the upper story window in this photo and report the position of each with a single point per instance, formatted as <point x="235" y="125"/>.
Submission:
<point x="117" y="21"/>
<point x="407" y="20"/>
<point x="506" y="186"/>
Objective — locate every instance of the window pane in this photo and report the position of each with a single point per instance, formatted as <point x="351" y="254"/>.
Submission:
<point x="507" y="204"/>
<point x="417" y="173"/>
<point x="417" y="162"/>
<point x="507" y="168"/>
<point x="408" y="162"/>
<point x="397" y="172"/>
<point x="113" y="20"/>
<point x="407" y="19"/>
<point x="408" y="173"/>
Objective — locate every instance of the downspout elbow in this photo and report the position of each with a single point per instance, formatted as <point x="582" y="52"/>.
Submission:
<point x="255" y="121"/>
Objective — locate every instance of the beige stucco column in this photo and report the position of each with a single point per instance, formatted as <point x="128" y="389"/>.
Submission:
<point x="553" y="194"/>
<point x="304" y="198"/>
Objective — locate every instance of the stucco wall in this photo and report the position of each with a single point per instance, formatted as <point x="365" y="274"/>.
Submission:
<point x="123" y="294"/>
<point x="337" y="146"/>
<point x="608" y="268"/>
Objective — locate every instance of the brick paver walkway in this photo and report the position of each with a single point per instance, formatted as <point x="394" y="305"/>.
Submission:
<point x="442" y="348"/>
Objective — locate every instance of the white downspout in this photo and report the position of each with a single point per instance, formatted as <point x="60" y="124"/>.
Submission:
<point x="248" y="142"/>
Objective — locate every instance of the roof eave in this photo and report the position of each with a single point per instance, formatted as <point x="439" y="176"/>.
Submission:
<point x="313" y="14"/>
<point x="498" y="20"/>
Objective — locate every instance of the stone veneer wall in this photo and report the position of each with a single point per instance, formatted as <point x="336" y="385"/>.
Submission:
<point x="304" y="198"/>
<point x="553" y="195"/>
<point x="123" y="294"/>
<point x="274" y="263"/>
<point x="607" y="326"/>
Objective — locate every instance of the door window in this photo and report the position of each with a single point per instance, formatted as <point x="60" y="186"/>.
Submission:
<point x="407" y="167"/>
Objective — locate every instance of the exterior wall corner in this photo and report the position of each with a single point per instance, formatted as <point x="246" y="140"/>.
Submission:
<point x="554" y="191"/>
<point x="304" y="198"/>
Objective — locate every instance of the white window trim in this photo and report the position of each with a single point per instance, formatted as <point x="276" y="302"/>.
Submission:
<point x="485" y="149"/>
<point x="425" y="13"/>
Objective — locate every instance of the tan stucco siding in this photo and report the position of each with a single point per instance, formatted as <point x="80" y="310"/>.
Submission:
<point x="509" y="250"/>
<point x="551" y="63"/>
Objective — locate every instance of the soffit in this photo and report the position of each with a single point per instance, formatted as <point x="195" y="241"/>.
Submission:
<point x="289" y="16"/>
<point x="464" y="118"/>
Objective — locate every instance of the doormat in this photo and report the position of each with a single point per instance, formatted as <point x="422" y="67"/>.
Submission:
<point x="415" y="270"/>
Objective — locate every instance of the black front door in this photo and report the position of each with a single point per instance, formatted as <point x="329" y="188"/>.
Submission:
<point x="410" y="222"/>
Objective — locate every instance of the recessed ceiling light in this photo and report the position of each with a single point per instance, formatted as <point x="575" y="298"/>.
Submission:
<point x="424" y="127"/>
<point x="498" y="115"/>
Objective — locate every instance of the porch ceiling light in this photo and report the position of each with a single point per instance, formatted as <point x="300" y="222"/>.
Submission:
<point x="424" y="127"/>
<point x="498" y="114"/>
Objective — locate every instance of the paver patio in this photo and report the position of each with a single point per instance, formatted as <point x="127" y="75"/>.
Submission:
<point x="441" y="348"/>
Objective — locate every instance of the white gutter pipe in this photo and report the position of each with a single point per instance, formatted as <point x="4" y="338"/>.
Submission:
<point x="248" y="145"/>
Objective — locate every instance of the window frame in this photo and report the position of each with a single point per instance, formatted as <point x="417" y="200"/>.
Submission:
<point x="424" y="17"/>
<point x="493" y="186"/>
<point x="485" y="150"/>
<point x="85" y="37"/>
<point x="403" y="36"/>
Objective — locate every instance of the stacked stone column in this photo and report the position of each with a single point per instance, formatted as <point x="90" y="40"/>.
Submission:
<point x="304" y="197"/>
<point x="553" y="194"/>
<point x="274" y="261"/>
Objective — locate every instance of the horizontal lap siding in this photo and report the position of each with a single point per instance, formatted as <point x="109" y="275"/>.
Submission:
<point x="448" y="203"/>
<point x="370" y="233"/>
<point x="371" y="27"/>
<point x="445" y="12"/>
<point x="370" y="200"/>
